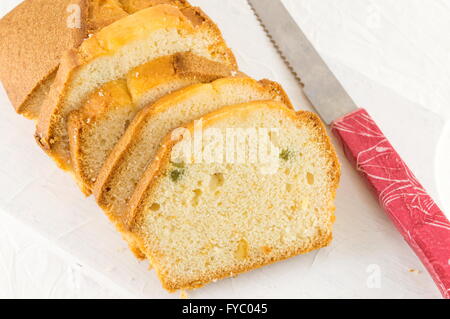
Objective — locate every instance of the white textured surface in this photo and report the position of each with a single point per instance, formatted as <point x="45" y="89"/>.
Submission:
<point x="31" y="267"/>
<point x="381" y="50"/>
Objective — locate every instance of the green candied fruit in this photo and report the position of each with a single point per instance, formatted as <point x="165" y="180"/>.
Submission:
<point x="176" y="174"/>
<point x="285" y="154"/>
<point x="178" y="165"/>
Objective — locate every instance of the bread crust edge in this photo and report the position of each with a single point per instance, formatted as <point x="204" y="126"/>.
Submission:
<point x="162" y="161"/>
<point x="132" y="134"/>
<point x="70" y="63"/>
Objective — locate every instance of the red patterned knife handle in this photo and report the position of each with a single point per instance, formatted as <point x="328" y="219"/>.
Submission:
<point x="413" y="211"/>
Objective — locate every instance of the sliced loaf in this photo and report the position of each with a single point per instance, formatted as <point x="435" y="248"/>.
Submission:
<point x="199" y="221"/>
<point x="34" y="36"/>
<point x="112" y="52"/>
<point x="95" y="128"/>
<point x="136" y="149"/>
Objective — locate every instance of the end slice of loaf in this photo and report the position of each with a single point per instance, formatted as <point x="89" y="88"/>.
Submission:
<point x="98" y="125"/>
<point x="202" y="220"/>
<point x="112" y="52"/>
<point x="128" y="160"/>
<point x="34" y="36"/>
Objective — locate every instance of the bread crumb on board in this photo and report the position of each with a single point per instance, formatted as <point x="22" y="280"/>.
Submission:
<point x="184" y="294"/>
<point x="415" y="271"/>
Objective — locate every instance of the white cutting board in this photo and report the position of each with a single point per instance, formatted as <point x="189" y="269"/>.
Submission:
<point x="367" y="258"/>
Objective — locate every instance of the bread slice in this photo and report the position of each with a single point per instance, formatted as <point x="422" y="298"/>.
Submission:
<point x="136" y="149"/>
<point x="112" y="52"/>
<point x="34" y="36"/>
<point x="202" y="220"/>
<point x="98" y="125"/>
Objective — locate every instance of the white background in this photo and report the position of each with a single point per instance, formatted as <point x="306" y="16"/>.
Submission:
<point x="400" y="44"/>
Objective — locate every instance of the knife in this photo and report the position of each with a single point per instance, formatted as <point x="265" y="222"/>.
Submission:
<point x="420" y="221"/>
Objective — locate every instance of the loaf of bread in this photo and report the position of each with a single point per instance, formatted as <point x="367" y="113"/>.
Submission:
<point x="35" y="35"/>
<point x="136" y="149"/>
<point x="115" y="50"/>
<point x="202" y="220"/>
<point x="205" y="171"/>
<point x="97" y="126"/>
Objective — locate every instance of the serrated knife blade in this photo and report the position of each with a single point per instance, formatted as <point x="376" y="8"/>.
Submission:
<point x="417" y="217"/>
<point x="321" y="86"/>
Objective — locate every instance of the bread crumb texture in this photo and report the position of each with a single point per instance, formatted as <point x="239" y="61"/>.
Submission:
<point x="137" y="148"/>
<point x="216" y="220"/>
<point x="97" y="126"/>
<point x="42" y="31"/>
<point x="114" y="51"/>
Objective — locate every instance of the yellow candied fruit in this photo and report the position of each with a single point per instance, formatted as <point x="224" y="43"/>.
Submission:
<point x="242" y="250"/>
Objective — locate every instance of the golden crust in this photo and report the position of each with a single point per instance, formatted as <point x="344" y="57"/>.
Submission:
<point x="133" y="219"/>
<point x="102" y="13"/>
<point x="189" y="64"/>
<point x="32" y="106"/>
<point x="173" y="286"/>
<point x="36" y="34"/>
<point x="119" y="154"/>
<point x="51" y="112"/>
<point x="112" y="37"/>
<point x="75" y="127"/>
<point x="180" y="65"/>
<point x="104" y="42"/>
<point x="105" y="12"/>
<point x="185" y="67"/>
<point x="110" y="96"/>
<point x="132" y="6"/>
<point x="277" y="90"/>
